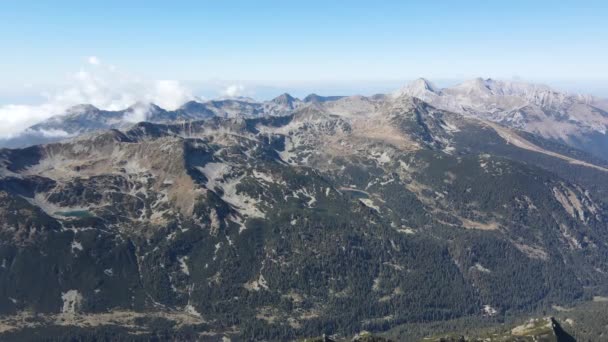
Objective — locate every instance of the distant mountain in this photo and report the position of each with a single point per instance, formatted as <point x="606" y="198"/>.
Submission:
<point x="317" y="98"/>
<point x="359" y="213"/>
<point x="285" y="100"/>
<point x="82" y="119"/>
<point x="85" y="118"/>
<point x="577" y="120"/>
<point x="196" y="109"/>
<point x="420" y="88"/>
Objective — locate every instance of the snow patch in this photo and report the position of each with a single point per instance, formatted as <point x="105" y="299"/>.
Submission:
<point x="406" y="231"/>
<point x="480" y="268"/>
<point x="217" y="248"/>
<point x="76" y="246"/>
<point x="72" y="301"/>
<point x="490" y="311"/>
<point x="189" y="309"/>
<point x="257" y="285"/>
<point x="311" y="198"/>
<point x="263" y="176"/>
<point x="183" y="265"/>
<point x="370" y="204"/>
<point x="384" y="158"/>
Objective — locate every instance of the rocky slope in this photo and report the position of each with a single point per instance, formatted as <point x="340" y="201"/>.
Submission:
<point x="350" y="214"/>
<point x="536" y="329"/>
<point x="580" y="121"/>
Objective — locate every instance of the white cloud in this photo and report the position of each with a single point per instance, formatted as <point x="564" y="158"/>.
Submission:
<point x="170" y="94"/>
<point x="16" y="118"/>
<point x="54" y="133"/>
<point x="233" y="90"/>
<point x="138" y="113"/>
<point x="103" y="86"/>
<point x="93" y="60"/>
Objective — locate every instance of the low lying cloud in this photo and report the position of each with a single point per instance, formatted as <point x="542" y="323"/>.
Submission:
<point x="101" y="85"/>
<point x="54" y="133"/>
<point x="170" y="94"/>
<point x="233" y="90"/>
<point x="137" y="114"/>
<point x="16" y="118"/>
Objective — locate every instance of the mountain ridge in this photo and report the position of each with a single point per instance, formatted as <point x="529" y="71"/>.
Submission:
<point x="576" y="120"/>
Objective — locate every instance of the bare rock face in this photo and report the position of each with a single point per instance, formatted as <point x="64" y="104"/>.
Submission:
<point x="576" y="120"/>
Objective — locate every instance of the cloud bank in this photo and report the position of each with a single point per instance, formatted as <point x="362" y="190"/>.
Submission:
<point x="99" y="84"/>
<point x="233" y="90"/>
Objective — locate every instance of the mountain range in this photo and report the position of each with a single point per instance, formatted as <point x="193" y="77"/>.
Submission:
<point x="580" y="121"/>
<point x="279" y="220"/>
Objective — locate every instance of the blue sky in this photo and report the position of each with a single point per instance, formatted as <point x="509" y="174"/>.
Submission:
<point x="307" y="40"/>
<point x="55" y="54"/>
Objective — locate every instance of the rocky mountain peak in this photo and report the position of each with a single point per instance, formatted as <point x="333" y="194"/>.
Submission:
<point x="191" y="105"/>
<point x="284" y="99"/>
<point x="196" y="109"/>
<point x="422" y="84"/>
<point x="477" y="86"/>
<point x="81" y="109"/>
<point x="318" y="98"/>
<point x="420" y="88"/>
<point x="537" y="93"/>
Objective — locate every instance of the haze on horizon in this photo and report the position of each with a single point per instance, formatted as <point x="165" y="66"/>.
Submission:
<point x="113" y="53"/>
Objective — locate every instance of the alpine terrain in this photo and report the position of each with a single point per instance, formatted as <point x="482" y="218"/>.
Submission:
<point x="289" y="219"/>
